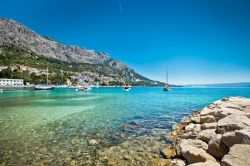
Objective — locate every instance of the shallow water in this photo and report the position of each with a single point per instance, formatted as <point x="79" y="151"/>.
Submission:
<point x="39" y="127"/>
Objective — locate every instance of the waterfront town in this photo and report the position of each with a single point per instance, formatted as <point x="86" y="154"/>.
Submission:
<point x="38" y="76"/>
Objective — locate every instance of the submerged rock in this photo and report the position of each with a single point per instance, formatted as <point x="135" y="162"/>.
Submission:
<point x="168" y="153"/>
<point x="177" y="162"/>
<point x="93" y="142"/>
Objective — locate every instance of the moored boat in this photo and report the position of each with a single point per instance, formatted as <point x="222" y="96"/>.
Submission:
<point x="127" y="87"/>
<point x="84" y="88"/>
<point x="44" y="87"/>
<point x="166" y="87"/>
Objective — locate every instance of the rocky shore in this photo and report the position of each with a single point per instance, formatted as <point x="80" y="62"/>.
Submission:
<point x="219" y="134"/>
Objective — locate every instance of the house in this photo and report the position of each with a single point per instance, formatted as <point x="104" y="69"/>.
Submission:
<point x="11" y="82"/>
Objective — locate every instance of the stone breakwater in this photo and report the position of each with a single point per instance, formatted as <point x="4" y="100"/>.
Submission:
<point x="219" y="134"/>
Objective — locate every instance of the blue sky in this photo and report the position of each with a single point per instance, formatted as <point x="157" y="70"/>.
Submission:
<point x="201" y="41"/>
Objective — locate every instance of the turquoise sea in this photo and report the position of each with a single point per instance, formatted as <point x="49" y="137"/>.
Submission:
<point x="53" y="125"/>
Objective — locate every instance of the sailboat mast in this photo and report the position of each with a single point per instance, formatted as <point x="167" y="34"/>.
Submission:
<point x="47" y="77"/>
<point x="167" y="77"/>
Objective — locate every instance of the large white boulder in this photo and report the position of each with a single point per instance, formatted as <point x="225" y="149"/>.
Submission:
<point x="237" y="156"/>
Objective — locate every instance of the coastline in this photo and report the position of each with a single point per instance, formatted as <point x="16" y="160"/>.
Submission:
<point x="218" y="134"/>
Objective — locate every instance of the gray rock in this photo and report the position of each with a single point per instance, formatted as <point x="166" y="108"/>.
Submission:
<point x="195" y="155"/>
<point x="240" y="101"/>
<point x="237" y="156"/>
<point x="189" y="135"/>
<point x="195" y="128"/>
<point x="233" y="122"/>
<point x="236" y="137"/>
<point x="229" y="139"/>
<point x="208" y="111"/>
<point x="229" y="104"/>
<point x="216" y="147"/>
<point x="223" y="112"/>
<point x="207" y="163"/>
<point x="193" y="151"/>
<point x="195" y="119"/>
<point x="205" y="126"/>
<point x="184" y="144"/>
<point x="206" y="135"/>
<point x="177" y="162"/>
<point x="207" y="119"/>
<point x="243" y="136"/>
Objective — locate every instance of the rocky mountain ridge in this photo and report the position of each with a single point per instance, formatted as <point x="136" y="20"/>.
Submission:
<point x="25" y="44"/>
<point x="17" y="34"/>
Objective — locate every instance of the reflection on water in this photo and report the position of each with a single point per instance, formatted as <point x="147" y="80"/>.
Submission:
<point x="54" y="127"/>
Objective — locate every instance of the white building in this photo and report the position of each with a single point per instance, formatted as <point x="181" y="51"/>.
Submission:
<point x="11" y="82"/>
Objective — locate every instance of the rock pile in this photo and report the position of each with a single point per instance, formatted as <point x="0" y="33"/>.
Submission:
<point x="219" y="134"/>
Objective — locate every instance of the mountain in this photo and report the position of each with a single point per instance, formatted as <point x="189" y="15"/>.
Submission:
<point x="25" y="47"/>
<point x="238" y="84"/>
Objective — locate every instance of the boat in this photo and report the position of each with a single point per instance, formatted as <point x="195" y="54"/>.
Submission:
<point x="166" y="87"/>
<point x="127" y="87"/>
<point x="44" y="87"/>
<point x="84" y="88"/>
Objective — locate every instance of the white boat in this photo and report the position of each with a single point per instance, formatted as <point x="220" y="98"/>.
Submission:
<point x="84" y="88"/>
<point x="44" y="87"/>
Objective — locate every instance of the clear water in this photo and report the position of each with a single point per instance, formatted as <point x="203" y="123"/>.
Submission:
<point x="53" y="125"/>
